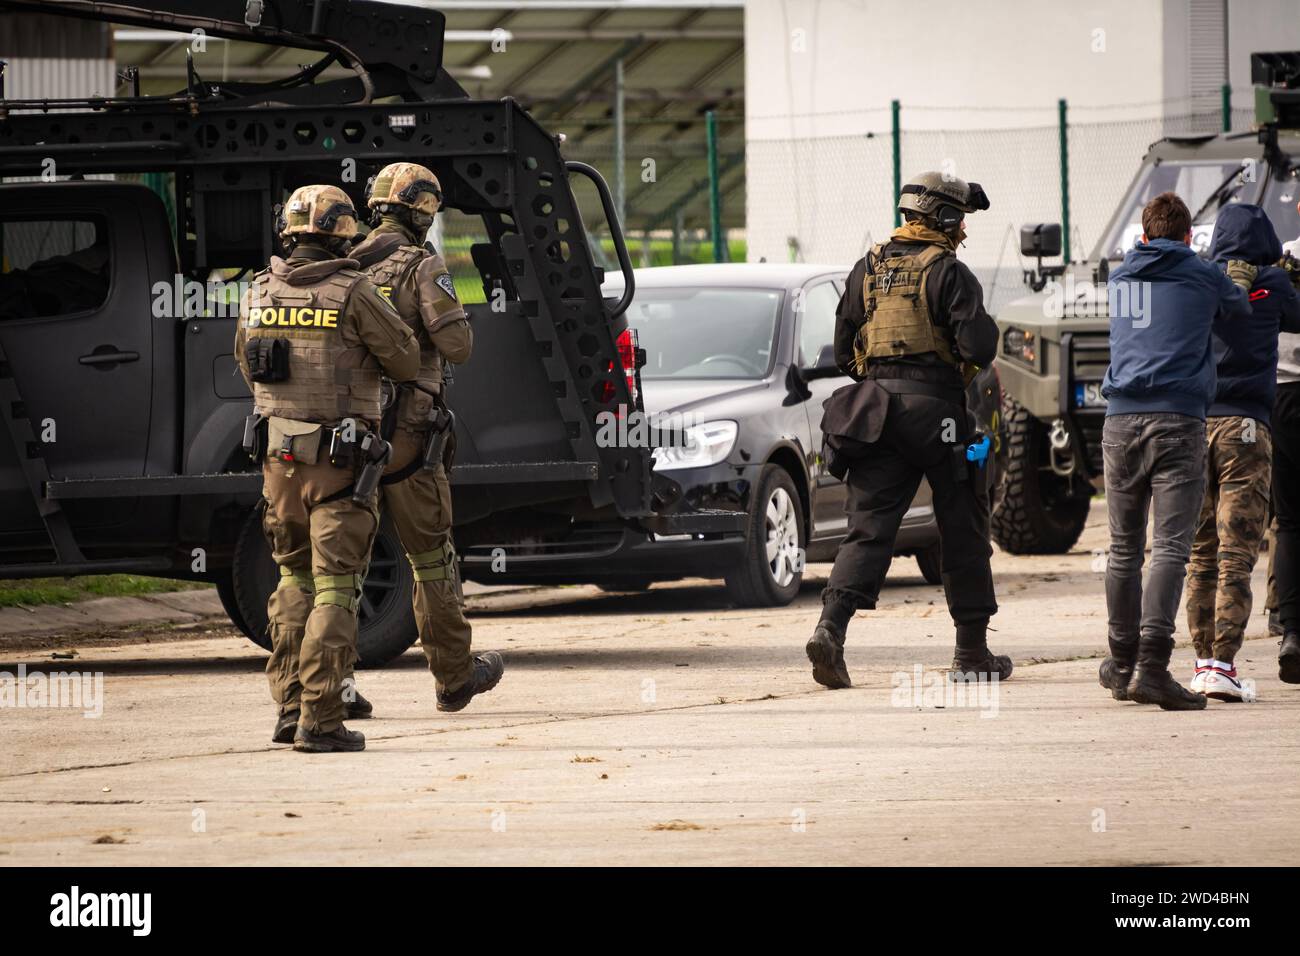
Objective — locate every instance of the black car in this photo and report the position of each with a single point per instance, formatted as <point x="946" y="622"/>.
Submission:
<point x="738" y="360"/>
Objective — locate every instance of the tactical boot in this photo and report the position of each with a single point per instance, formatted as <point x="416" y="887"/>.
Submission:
<point x="967" y="665"/>
<point x="972" y="657"/>
<point x="1153" y="684"/>
<point x="339" y="740"/>
<point x="358" y="708"/>
<point x="1116" y="671"/>
<point x="826" y="651"/>
<point x="285" y="727"/>
<point x="488" y="668"/>
<point x="1275" y="623"/>
<point x="1288" y="659"/>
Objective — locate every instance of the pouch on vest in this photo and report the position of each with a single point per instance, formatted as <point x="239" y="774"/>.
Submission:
<point x="268" y="359"/>
<point x="293" y="441"/>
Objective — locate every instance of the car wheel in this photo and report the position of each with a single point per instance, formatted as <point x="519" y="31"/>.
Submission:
<point x="772" y="569"/>
<point x="930" y="561"/>
<point x="386" y="621"/>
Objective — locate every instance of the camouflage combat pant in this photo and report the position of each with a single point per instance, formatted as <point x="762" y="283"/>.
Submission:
<point x="1233" y="519"/>
<point x="420" y="506"/>
<point x="322" y="549"/>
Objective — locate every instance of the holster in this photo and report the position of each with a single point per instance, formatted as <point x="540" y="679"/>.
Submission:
<point x="440" y="445"/>
<point x="374" y="453"/>
<point x="254" y="443"/>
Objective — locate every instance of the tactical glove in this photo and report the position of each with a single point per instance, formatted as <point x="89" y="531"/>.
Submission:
<point x="1242" y="273"/>
<point x="1291" y="266"/>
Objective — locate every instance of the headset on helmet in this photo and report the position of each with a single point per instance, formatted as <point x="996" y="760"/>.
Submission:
<point x="945" y="199"/>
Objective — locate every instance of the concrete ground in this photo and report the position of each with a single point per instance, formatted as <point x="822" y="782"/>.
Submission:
<point x="666" y="728"/>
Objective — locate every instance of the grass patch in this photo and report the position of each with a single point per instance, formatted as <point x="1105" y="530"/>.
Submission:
<point x="35" y="591"/>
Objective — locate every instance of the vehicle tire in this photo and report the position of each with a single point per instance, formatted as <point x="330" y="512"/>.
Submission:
<point x="622" y="585"/>
<point x="1036" y="511"/>
<point x="770" y="575"/>
<point x="386" y="620"/>
<point x="930" y="561"/>
<point x="226" y="591"/>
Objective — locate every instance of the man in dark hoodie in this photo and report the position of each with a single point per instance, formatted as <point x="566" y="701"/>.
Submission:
<point x="1240" y="453"/>
<point x="1163" y="301"/>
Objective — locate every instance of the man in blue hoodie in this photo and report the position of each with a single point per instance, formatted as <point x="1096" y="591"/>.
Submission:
<point x="1240" y="453"/>
<point x="1163" y="301"/>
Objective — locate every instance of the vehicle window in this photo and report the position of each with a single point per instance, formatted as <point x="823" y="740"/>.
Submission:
<point x="52" y="267"/>
<point x="710" y="333"/>
<point x="1205" y="187"/>
<point x="817" y="322"/>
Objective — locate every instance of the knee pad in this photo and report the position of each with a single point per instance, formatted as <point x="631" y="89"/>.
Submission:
<point x="340" y="590"/>
<point x="435" y="564"/>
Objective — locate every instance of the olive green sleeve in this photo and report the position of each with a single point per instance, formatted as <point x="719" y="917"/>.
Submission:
<point x="383" y="332"/>
<point x="440" y="312"/>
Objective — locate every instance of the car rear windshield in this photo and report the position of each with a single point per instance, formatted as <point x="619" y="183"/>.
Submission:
<point x="710" y="333"/>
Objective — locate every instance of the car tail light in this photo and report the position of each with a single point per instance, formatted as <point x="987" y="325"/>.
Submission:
<point x="627" y="346"/>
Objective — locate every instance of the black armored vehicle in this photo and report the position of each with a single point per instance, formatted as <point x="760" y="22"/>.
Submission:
<point x="121" y="406"/>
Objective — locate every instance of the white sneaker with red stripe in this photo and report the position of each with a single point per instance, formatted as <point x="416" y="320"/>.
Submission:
<point x="1197" y="685"/>
<point x="1222" y="683"/>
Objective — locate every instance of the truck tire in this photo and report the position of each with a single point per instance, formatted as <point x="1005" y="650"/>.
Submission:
<point x="768" y="576"/>
<point x="1036" y="511"/>
<point x="226" y="591"/>
<point x="930" y="561"/>
<point x="386" y="626"/>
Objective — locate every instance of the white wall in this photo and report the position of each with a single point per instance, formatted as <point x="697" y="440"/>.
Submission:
<point x="979" y="84"/>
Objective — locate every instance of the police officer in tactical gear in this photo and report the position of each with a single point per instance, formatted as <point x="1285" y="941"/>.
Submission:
<point x="403" y="199"/>
<point x="911" y="329"/>
<point x="314" y="337"/>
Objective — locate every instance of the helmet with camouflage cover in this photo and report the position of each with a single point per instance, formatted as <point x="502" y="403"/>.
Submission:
<point x="318" y="211"/>
<point x="406" y="184"/>
<point x="927" y="194"/>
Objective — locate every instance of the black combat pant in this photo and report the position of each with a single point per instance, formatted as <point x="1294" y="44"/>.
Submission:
<point x="917" y="441"/>
<point x="1286" y="504"/>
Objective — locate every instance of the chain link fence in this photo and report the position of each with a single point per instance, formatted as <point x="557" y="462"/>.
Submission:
<point x="828" y="199"/>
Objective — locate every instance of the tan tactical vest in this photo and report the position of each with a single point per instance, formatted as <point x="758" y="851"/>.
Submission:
<point x="328" y="380"/>
<point x="385" y="273"/>
<point x="898" y="319"/>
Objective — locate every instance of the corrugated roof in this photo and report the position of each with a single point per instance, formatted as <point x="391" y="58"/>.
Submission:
<point x="680" y="59"/>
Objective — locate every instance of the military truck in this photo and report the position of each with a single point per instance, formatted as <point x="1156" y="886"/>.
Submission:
<point x="1055" y="347"/>
<point x="121" y="405"/>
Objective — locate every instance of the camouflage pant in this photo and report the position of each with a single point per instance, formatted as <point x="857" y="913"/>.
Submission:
<point x="1228" y="535"/>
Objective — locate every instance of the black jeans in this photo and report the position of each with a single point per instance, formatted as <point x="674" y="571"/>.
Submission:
<point x="881" y="485"/>
<point x="1286" y="504"/>
<point x="1153" y="461"/>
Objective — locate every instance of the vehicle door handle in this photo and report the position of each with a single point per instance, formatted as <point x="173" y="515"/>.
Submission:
<point x="108" y="355"/>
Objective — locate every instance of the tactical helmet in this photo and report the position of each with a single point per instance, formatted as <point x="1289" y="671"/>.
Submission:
<point x="928" y="194"/>
<point x="406" y="184"/>
<point x="317" y="211"/>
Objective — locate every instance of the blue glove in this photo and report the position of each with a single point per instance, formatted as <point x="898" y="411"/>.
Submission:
<point x="978" y="450"/>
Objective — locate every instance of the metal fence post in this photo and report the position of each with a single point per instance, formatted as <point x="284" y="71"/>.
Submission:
<point x="898" y="162"/>
<point x="1065" y="179"/>
<point x="715" y="196"/>
<point x="1227" y="107"/>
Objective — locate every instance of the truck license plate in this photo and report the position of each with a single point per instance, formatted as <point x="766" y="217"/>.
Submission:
<point x="1088" y="395"/>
